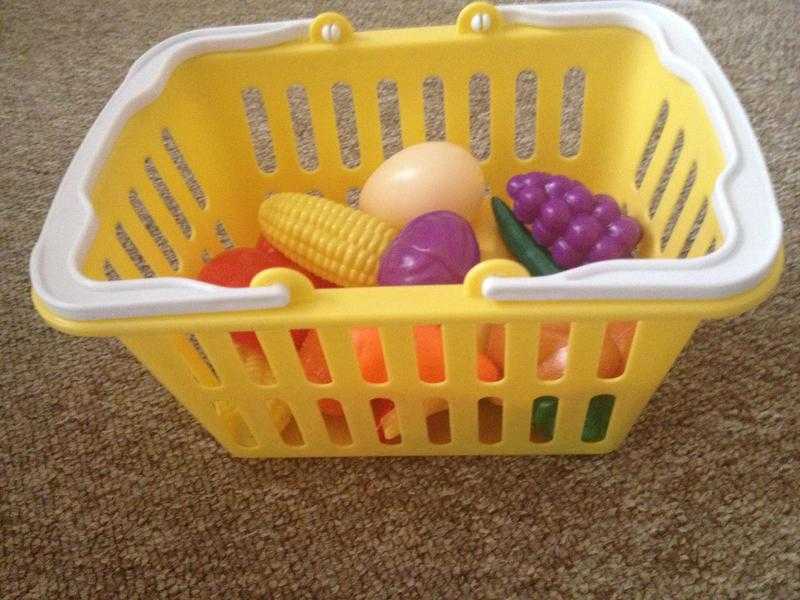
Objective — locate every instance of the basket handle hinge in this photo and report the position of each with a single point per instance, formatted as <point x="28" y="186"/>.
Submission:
<point x="479" y="17"/>
<point x="496" y="267"/>
<point x="297" y="285"/>
<point x="330" y="28"/>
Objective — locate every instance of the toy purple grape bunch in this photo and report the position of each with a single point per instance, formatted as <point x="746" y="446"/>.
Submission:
<point x="574" y="225"/>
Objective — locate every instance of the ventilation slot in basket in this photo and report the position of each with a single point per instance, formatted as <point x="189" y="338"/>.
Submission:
<point x="429" y="348"/>
<point x="335" y="422"/>
<point x="491" y="352"/>
<point x="133" y="252"/>
<point x="223" y="236"/>
<point x="303" y="127"/>
<point x="616" y="348"/>
<point x="197" y="360"/>
<point x="572" y="111"/>
<point x="386" y="420"/>
<point x="109" y="271"/>
<point x="598" y="417"/>
<point x="480" y="115"/>
<point x="172" y="148"/>
<point x="437" y="420"/>
<point x="666" y="174"/>
<point x="353" y="196"/>
<point x="688" y="244"/>
<point x="389" y="107"/>
<point x="652" y="143"/>
<point x="543" y="419"/>
<point x="433" y="96"/>
<point x="285" y="423"/>
<point x="490" y="420"/>
<point x="312" y="356"/>
<point x="345" y="114"/>
<point x="369" y="353"/>
<point x="553" y="350"/>
<point x="149" y="224"/>
<point x="525" y="121"/>
<point x="167" y="198"/>
<point x="260" y="132"/>
<point x="255" y="362"/>
<point x="677" y="209"/>
<point x="237" y="427"/>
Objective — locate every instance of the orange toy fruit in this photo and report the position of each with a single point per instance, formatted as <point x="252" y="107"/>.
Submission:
<point x="369" y="352"/>
<point x="553" y="349"/>
<point x="553" y="341"/>
<point x="367" y="345"/>
<point x="430" y="356"/>
<point x="487" y="369"/>
<point x="312" y="358"/>
<point x="430" y="352"/>
<point x="622" y="334"/>
<point x="367" y="342"/>
<point x="611" y="361"/>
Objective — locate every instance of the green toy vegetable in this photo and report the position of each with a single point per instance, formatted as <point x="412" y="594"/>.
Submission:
<point x="597" y="418"/>
<point x="520" y="243"/>
<point x="544" y="418"/>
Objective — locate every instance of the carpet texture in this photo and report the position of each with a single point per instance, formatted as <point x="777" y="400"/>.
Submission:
<point x="108" y="489"/>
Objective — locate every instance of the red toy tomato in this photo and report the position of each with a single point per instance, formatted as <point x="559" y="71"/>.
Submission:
<point x="236" y="267"/>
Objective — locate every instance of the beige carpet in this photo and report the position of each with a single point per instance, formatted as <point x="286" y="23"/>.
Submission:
<point x="108" y="489"/>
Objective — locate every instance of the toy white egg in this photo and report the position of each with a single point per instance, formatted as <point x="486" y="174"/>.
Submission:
<point x="424" y="178"/>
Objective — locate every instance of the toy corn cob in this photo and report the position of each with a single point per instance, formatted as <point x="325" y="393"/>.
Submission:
<point x="329" y="239"/>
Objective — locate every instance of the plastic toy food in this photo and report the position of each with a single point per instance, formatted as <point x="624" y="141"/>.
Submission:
<point x="369" y="352"/>
<point x="423" y="178"/>
<point x="237" y="267"/>
<point x="430" y="356"/>
<point x="258" y="370"/>
<point x="435" y="248"/>
<point x="367" y="344"/>
<point x="544" y="418"/>
<point x="519" y="241"/>
<point x="490" y="241"/>
<point x="621" y="332"/>
<point x="575" y="226"/>
<point x="430" y="352"/>
<point x="554" y="348"/>
<point x="389" y="424"/>
<point x="333" y="241"/>
<point x="430" y="349"/>
<point x="279" y="260"/>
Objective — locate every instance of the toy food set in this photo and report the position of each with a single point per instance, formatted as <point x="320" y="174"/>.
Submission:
<point x="327" y="242"/>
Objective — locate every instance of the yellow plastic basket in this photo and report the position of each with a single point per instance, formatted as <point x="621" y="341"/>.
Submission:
<point x="207" y="123"/>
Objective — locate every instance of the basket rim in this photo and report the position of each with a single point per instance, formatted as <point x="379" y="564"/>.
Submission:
<point x="752" y="226"/>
